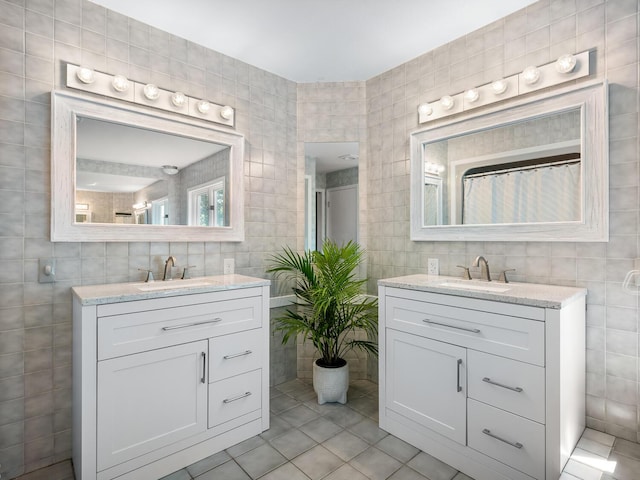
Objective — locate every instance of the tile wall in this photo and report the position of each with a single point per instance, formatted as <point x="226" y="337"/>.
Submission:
<point x="535" y="35"/>
<point x="37" y="38"/>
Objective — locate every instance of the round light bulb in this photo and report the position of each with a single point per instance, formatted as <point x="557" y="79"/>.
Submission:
<point x="531" y="75"/>
<point x="472" y="95"/>
<point x="203" y="107"/>
<point x="178" y="99"/>
<point x="499" y="87"/>
<point x="86" y="75"/>
<point x="226" y="112"/>
<point x="425" y="109"/>
<point x="120" y="83"/>
<point x="447" y="102"/>
<point x="151" y="91"/>
<point x="566" y="63"/>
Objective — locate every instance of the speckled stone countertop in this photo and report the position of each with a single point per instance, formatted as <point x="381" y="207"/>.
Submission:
<point x="127" y="292"/>
<point x="532" y="294"/>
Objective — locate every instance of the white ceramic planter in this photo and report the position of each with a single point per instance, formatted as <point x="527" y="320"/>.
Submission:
<point x="331" y="384"/>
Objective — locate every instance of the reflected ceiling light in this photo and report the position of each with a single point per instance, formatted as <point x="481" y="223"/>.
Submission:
<point x="499" y="86"/>
<point x="170" y="169"/>
<point x="472" y="95"/>
<point x="203" y="107"/>
<point x="120" y="83"/>
<point x="226" y="112"/>
<point x="447" y="102"/>
<point x="86" y="75"/>
<point x="531" y="75"/>
<point x="151" y="91"/>
<point x="349" y="156"/>
<point x="425" y="109"/>
<point x="433" y="168"/>
<point x="178" y="99"/>
<point x="566" y="63"/>
<point x="138" y="206"/>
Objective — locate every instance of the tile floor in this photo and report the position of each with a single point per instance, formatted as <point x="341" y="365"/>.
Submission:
<point x="343" y="442"/>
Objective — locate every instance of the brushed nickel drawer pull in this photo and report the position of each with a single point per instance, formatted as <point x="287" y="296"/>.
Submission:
<point x="515" y="389"/>
<point x="472" y="330"/>
<point x="235" y="355"/>
<point x="194" y="324"/>
<point x="203" y="379"/>
<point x="486" y="431"/>
<point x="233" y="399"/>
<point x="459" y="365"/>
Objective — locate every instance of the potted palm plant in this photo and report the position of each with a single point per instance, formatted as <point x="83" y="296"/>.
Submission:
<point x="330" y="311"/>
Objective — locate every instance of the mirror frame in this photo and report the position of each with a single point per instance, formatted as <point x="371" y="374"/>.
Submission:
<point x="592" y="99"/>
<point x="66" y="107"/>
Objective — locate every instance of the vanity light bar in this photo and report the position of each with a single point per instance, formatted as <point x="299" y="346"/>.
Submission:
<point x="567" y="67"/>
<point x="120" y="87"/>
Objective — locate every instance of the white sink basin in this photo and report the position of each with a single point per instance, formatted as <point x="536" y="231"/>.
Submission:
<point x="480" y="287"/>
<point x="172" y="285"/>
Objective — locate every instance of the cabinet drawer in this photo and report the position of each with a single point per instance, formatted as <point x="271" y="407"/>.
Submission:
<point x="235" y="396"/>
<point x="135" y="332"/>
<point x="507" y="384"/>
<point x="234" y="354"/>
<point x="526" y="448"/>
<point x="509" y="336"/>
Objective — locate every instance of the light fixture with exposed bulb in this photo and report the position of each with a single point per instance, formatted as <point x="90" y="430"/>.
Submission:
<point x="425" y="109"/>
<point x="86" y="75"/>
<point x="203" y="107"/>
<point x="566" y="63"/>
<point x="120" y="83"/>
<point x="151" y="91"/>
<point x="499" y="87"/>
<point x="178" y="99"/>
<point x="447" y="102"/>
<point x="472" y="95"/>
<point x="226" y="112"/>
<point x="531" y="75"/>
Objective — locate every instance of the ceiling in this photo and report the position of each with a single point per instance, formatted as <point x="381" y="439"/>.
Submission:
<point x="319" y="40"/>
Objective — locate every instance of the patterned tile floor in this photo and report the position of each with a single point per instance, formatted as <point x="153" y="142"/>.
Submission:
<point x="343" y="442"/>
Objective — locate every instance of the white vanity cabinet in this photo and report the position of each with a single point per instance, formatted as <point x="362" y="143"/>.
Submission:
<point x="163" y="379"/>
<point x="492" y="384"/>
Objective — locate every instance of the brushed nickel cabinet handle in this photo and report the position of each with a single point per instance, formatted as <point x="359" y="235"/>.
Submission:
<point x="458" y="382"/>
<point x="486" y="431"/>
<point x="203" y="379"/>
<point x="472" y="330"/>
<point x="236" y="355"/>
<point x="194" y="324"/>
<point x="238" y="397"/>
<point x="497" y="384"/>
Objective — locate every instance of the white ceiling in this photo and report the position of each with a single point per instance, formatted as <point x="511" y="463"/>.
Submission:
<point x="319" y="40"/>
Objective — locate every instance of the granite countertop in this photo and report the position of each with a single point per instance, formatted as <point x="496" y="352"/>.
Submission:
<point x="532" y="294"/>
<point x="126" y="292"/>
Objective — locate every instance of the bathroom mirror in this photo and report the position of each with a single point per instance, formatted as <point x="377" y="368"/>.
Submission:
<point x="534" y="171"/>
<point x="125" y="173"/>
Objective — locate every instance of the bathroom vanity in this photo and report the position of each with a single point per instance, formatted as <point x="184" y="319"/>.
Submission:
<point x="488" y="377"/>
<point x="167" y="373"/>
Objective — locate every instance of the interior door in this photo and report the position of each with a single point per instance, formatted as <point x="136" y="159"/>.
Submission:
<point x="342" y="214"/>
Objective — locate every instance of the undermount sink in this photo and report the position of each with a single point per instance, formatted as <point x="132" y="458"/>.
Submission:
<point x="480" y="287"/>
<point x="172" y="285"/>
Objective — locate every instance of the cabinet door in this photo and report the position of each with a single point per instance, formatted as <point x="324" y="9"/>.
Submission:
<point x="426" y="382"/>
<point x="149" y="400"/>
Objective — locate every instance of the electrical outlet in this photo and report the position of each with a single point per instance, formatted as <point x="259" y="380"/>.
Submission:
<point x="433" y="267"/>
<point x="229" y="266"/>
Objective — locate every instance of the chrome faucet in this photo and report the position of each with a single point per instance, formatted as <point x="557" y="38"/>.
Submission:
<point x="485" y="264"/>
<point x="167" y="268"/>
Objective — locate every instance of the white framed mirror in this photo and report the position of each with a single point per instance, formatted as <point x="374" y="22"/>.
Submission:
<point x="536" y="170"/>
<point x="123" y="173"/>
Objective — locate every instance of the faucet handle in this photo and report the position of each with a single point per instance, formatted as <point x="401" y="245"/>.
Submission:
<point x="503" y="275"/>
<point x="467" y="273"/>
<point x="185" y="272"/>
<point x="149" y="277"/>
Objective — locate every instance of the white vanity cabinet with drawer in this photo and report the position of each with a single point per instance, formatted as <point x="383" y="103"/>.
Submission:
<point x="163" y="379"/>
<point x="492" y="384"/>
